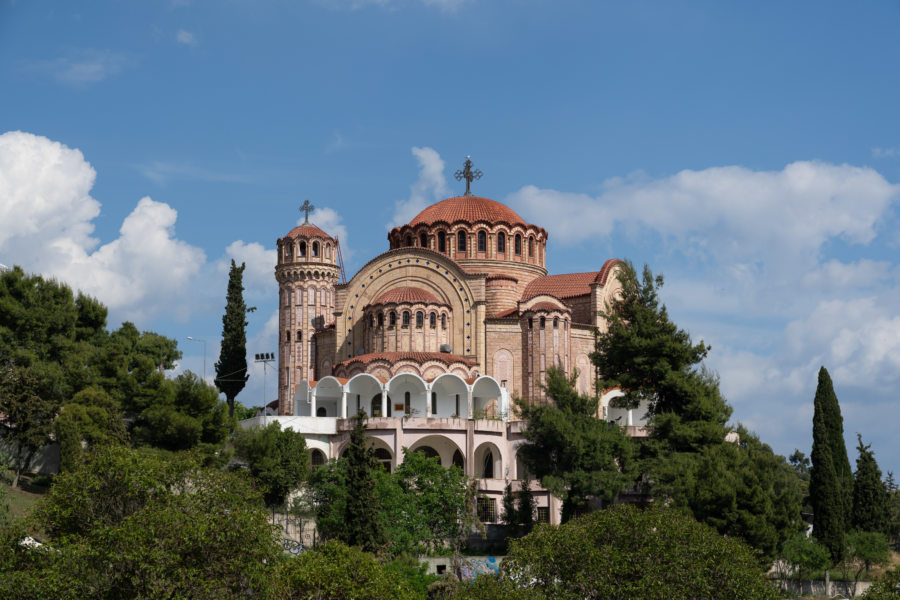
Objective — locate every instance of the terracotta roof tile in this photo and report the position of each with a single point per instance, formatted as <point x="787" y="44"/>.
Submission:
<point x="569" y="284"/>
<point x="418" y="357"/>
<point x="309" y="230"/>
<point x="407" y="294"/>
<point x="548" y="306"/>
<point x="468" y="209"/>
<point x="512" y="312"/>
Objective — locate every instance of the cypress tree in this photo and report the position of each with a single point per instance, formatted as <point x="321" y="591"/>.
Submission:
<point x="825" y="494"/>
<point x="231" y="369"/>
<point x="361" y="523"/>
<point x="510" y="516"/>
<point x="870" y="496"/>
<point x="827" y="402"/>
<point x="526" y="506"/>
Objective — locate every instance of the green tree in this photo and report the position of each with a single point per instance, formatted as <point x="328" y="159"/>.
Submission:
<point x="887" y="587"/>
<point x="871" y="508"/>
<point x="231" y="368"/>
<point x="91" y="419"/>
<point x="867" y="549"/>
<point x="575" y="455"/>
<point x="826" y="402"/>
<point x="806" y="555"/>
<point x="339" y="572"/>
<point x="510" y="516"/>
<point x="525" y="506"/>
<point x="893" y="507"/>
<point x="277" y="458"/>
<point x="624" y="553"/>
<point x="361" y="527"/>
<point x="28" y="410"/>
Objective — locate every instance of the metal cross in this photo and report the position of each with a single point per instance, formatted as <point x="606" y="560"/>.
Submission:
<point x="307" y="208"/>
<point x="468" y="174"/>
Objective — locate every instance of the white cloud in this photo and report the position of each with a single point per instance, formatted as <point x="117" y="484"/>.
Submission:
<point x="885" y="152"/>
<point x="430" y="187"/>
<point x="259" y="275"/>
<point x="162" y="172"/>
<point x="82" y="67"/>
<point x="186" y="38"/>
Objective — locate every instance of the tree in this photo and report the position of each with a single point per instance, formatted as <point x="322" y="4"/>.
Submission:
<point x="231" y="368"/>
<point x="806" y="555"/>
<point x="624" y="552"/>
<point x="893" y="508"/>
<point x="887" y="587"/>
<point x="525" y="506"/>
<point x="362" y="526"/>
<point x="277" y="458"/>
<point x="871" y="509"/>
<point x="510" y="515"/>
<point x="826" y="402"/>
<point x="867" y="549"/>
<point x="575" y="455"/>
<point x="27" y="410"/>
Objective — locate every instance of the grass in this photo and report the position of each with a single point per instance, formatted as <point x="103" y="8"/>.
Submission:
<point x="21" y="499"/>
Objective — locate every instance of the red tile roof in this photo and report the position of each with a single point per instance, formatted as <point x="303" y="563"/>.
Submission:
<point x="468" y="209"/>
<point x="417" y="357"/>
<point x="309" y="230"/>
<point x="547" y="306"/>
<point x="569" y="284"/>
<point x="406" y="294"/>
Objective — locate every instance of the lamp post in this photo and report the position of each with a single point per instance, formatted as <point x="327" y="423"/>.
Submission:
<point x="265" y="358"/>
<point x="204" y="354"/>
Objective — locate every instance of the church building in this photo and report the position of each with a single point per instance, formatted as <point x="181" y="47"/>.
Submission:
<point x="435" y="337"/>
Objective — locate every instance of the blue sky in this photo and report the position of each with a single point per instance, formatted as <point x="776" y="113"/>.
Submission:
<point x="749" y="152"/>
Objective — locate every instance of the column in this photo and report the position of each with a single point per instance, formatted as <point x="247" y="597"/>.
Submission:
<point x="469" y="402"/>
<point x="427" y="401"/>
<point x="343" y="414"/>
<point x="384" y="402"/>
<point x="312" y="403"/>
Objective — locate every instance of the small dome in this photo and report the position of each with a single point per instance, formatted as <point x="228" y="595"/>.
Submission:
<point x="468" y="209"/>
<point x="308" y="230"/>
<point x="408" y="295"/>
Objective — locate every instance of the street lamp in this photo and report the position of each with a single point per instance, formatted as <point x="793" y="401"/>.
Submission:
<point x="265" y="358"/>
<point x="204" y="354"/>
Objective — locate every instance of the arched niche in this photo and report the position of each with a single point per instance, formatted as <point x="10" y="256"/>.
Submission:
<point x="488" y="461"/>
<point x="444" y="447"/>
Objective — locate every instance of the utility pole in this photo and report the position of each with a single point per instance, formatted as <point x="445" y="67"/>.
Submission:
<point x="265" y="358"/>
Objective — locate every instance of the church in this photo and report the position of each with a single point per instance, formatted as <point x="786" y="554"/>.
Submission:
<point x="434" y="338"/>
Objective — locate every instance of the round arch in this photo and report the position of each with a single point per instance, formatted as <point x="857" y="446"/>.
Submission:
<point x="488" y="461"/>
<point x="327" y="395"/>
<point x="444" y="446"/>
<point x="450" y="395"/>
<point x="361" y="388"/>
<point x="410" y="390"/>
<point x="488" y="398"/>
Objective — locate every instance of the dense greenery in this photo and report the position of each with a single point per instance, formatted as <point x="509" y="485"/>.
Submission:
<point x="886" y="588"/>
<point x="277" y="459"/>
<point x="628" y="553"/>
<point x="361" y="526"/>
<point x="829" y="489"/>
<point x="231" y="368"/>
<point x="871" y="502"/>
<point x="574" y="454"/>
<point x="805" y="555"/>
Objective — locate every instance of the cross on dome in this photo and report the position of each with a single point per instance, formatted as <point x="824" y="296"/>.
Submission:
<point x="306" y="207"/>
<point x="468" y="174"/>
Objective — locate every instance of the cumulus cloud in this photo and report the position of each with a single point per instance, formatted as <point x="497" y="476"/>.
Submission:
<point x="46" y="215"/>
<point x="185" y="38"/>
<point x="430" y="187"/>
<point x="259" y="274"/>
<point x="82" y="67"/>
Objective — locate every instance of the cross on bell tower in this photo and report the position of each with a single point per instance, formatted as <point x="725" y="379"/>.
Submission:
<point x="468" y="174"/>
<point x="307" y="208"/>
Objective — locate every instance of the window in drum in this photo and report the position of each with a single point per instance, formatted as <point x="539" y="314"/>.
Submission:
<point x="406" y="318"/>
<point x="482" y="241"/>
<point x="392" y="318"/>
<point x="518" y="245"/>
<point x="315" y="252"/>
<point x="302" y="248"/>
<point x="501" y="243"/>
<point x="433" y="404"/>
<point x="423" y="240"/>
<point x="442" y="241"/>
<point x="432" y="320"/>
<point x="420" y="319"/>
<point x="461" y="241"/>
<point x="380" y="319"/>
<point x="408" y="240"/>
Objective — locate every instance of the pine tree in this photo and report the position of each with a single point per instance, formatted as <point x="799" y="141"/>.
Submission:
<point x="525" y="506"/>
<point x="870" y="496"/>
<point x="825" y="491"/>
<point x="231" y="369"/>
<point x="827" y="402"/>
<point x="362" y="526"/>
<point x="510" y="516"/>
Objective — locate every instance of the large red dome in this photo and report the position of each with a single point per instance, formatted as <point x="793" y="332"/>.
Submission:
<point x="468" y="209"/>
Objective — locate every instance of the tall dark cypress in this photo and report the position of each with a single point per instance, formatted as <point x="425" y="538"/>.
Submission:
<point x="870" y="495"/>
<point x="231" y="369"/>
<point x="827" y="400"/>
<point x="825" y="492"/>
<point x="361" y="525"/>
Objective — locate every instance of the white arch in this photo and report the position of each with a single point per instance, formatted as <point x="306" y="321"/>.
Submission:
<point x="403" y="383"/>
<point x="484" y="390"/>
<point x="327" y="395"/>
<point x="444" y="446"/>
<point x="452" y="396"/>
<point x="360" y="389"/>
<point x="302" y="397"/>
<point x="496" y="460"/>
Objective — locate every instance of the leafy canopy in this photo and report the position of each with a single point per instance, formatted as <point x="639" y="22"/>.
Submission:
<point x="277" y="458"/>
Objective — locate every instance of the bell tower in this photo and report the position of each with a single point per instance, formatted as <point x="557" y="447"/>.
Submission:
<point x="308" y="269"/>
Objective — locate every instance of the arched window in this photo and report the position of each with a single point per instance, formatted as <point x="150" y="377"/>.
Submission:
<point x="315" y="249"/>
<point x="372" y="321"/>
<point x="384" y="458"/>
<point x="288" y="249"/>
<point x="458" y="459"/>
<point x="407" y="403"/>
<point x="530" y="323"/>
<point x="543" y="322"/>
<point x="409" y="240"/>
<point x="376" y="406"/>
<point x="316" y="458"/>
<point x="501" y="243"/>
<point x="380" y="319"/>
<point x="312" y="296"/>
<point x="518" y="245"/>
<point x="530" y="247"/>
<point x="302" y="248"/>
<point x="420" y="319"/>
<point x="432" y="320"/>
<point x="443" y="321"/>
<point x="321" y="412"/>
<point x="406" y="318"/>
<point x="442" y="241"/>
<point x="433" y="403"/>
<point x="429" y="452"/>
<point x="555" y="322"/>
<point x="461" y="241"/>
<point x="423" y="240"/>
<point x="488" y="465"/>
<point x="299" y="335"/>
<point x="287" y="335"/>
<point x="482" y="241"/>
<point x="392" y="318"/>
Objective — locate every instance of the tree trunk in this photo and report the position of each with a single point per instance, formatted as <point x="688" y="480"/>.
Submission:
<point x="828" y="582"/>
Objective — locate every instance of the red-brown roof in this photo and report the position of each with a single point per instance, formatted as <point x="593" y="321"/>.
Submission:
<point x="468" y="209"/>
<point x="569" y="284"/>
<point x="406" y="294"/>
<point x="308" y="230"/>
<point x="547" y="306"/>
<point x="417" y="357"/>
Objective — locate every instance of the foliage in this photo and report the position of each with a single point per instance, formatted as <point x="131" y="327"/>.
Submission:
<point x="361" y="527"/>
<point x="492" y="587"/>
<point x="805" y="554"/>
<point x="886" y="588"/>
<point x="90" y="419"/>
<point x="628" y="553"/>
<point x="278" y="459"/>
<point x="871" y="507"/>
<point x="339" y="572"/>
<point x="575" y="455"/>
<point x="828" y="487"/>
<point x="525" y="506"/>
<point x="867" y="549"/>
<point x="801" y="465"/>
<point x="242" y="412"/>
<point x="510" y="516"/>
<point x="893" y="507"/>
<point x="231" y="368"/>
<point x="415" y="573"/>
<point x="129" y="525"/>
